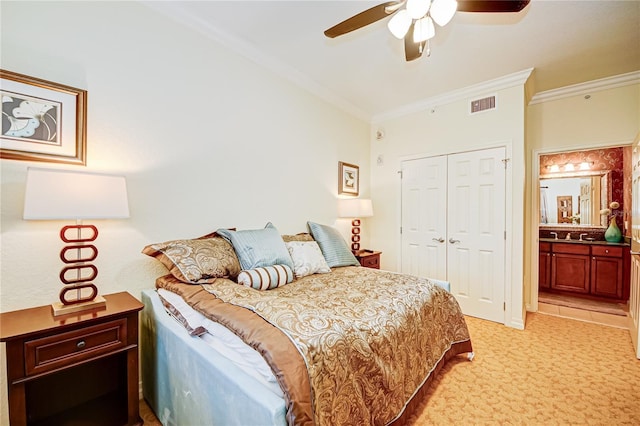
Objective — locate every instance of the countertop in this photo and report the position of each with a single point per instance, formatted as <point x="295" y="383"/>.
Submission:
<point x="594" y="242"/>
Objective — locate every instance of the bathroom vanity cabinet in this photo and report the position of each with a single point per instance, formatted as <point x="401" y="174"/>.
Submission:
<point x="544" y="267"/>
<point x="596" y="269"/>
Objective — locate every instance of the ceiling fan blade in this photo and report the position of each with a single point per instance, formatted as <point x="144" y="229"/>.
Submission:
<point x="412" y="50"/>
<point x="496" y="6"/>
<point x="362" y="19"/>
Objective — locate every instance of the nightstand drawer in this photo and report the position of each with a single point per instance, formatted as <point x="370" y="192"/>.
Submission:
<point x="371" y="262"/>
<point x="63" y="349"/>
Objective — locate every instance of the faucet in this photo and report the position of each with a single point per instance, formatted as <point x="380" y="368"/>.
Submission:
<point x="555" y="235"/>
<point x="568" y="236"/>
<point x="581" y="235"/>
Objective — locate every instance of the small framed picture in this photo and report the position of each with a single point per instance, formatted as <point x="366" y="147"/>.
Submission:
<point x="348" y="178"/>
<point x="42" y="120"/>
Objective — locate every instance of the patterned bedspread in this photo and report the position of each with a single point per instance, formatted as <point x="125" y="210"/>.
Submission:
<point x="349" y="347"/>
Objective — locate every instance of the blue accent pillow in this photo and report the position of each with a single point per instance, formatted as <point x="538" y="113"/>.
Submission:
<point x="334" y="248"/>
<point x="257" y="248"/>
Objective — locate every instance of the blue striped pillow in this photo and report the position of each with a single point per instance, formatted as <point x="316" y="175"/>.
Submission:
<point x="266" y="278"/>
<point x="256" y="248"/>
<point x="334" y="248"/>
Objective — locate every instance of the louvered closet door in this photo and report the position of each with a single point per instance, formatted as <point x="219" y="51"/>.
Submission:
<point x="424" y="217"/>
<point x="476" y="232"/>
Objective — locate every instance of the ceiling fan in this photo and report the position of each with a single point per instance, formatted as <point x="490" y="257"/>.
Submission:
<point x="415" y="23"/>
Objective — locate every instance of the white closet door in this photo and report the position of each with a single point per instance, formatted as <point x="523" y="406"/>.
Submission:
<point x="476" y="232"/>
<point x="424" y="217"/>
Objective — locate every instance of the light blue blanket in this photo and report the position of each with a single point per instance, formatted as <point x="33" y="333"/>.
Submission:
<point x="186" y="382"/>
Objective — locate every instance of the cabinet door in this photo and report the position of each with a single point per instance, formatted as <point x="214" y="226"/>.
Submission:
<point x="544" y="266"/>
<point x="570" y="272"/>
<point x="606" y="276"/>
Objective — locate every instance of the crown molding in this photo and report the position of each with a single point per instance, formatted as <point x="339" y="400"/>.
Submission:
<point x="587" y="87"/>
<point x="174" y="11"/>
<point x="516" y="79"/>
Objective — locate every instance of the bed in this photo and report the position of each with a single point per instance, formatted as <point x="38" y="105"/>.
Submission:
<point x="349" y="345"/>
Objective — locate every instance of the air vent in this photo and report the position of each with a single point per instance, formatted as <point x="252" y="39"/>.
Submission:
<point x="483" y="104"/>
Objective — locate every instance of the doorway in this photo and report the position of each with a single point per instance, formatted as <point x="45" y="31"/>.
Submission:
<point x="604" y="170"/>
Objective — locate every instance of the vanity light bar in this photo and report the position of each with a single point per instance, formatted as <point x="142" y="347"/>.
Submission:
<point x="569" y="167"/>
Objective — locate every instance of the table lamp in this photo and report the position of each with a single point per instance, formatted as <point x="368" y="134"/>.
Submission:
<point x="53" y="194"/>
<point x="355" y="208"/>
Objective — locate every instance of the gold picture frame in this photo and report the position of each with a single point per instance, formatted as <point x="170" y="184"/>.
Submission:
<point x="348" y="179"/>
<point x="42" y="120"/>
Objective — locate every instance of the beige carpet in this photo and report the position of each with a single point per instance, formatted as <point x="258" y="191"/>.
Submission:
<point x="555" y="372"/>
<point x="586" y="304"/>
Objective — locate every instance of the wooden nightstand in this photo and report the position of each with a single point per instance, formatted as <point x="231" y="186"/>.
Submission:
<point x="369" y="259"/>
<point x="78" y="368"/>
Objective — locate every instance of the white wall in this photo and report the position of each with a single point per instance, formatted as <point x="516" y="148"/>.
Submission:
<point x="609" y="117"/>
<point x="205" y="138"/>
<point x="449" y="128"/>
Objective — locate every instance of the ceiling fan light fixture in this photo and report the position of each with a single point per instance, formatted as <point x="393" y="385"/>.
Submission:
<point x="418" y="8"/>
<point x="399" y="24"/>
<point x="423" y="30"/>
<point x="442" y="11"/>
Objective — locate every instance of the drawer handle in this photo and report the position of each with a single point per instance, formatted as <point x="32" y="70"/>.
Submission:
<point x="81" y="344"/>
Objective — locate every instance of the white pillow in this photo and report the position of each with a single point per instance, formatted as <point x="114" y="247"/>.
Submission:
<point x="307" y="258"/>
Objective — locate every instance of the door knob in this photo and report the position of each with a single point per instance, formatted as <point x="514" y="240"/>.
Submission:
<point x="439" y="240"/>
<point x="452" y="241"/>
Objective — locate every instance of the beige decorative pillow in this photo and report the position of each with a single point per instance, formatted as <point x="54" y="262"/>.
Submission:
<point x="197" y="261"/>
<point x="302" y="236"/>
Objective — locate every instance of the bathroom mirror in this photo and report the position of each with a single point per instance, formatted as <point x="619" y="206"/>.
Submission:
<point x="574" y="198"/>
<point x="576" y="185"/>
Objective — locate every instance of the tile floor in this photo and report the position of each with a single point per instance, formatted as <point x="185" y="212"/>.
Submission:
<point x="618" y="321"/>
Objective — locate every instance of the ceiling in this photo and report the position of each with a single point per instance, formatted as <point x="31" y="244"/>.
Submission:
<point x="566" y="42"/>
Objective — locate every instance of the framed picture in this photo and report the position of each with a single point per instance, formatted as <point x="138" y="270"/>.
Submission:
<point x="348" y="178"/>
<point x="42" y="120"/>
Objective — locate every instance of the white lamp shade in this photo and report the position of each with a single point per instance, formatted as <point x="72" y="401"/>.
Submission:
<point x="418" y="8"/>
<point x="443" y="10"/>
<point x="64" y="194"/>
<point x="355" y="207"/>
<point x="423" y="30"/>
<point x="399" y="24"/>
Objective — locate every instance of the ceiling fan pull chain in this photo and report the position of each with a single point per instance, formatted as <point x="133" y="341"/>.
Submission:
<point x="428" y="48"/>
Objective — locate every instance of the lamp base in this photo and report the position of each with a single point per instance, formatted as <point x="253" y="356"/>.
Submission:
<point x="61" y="309"/>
